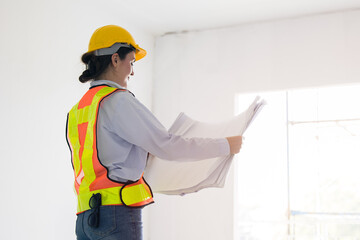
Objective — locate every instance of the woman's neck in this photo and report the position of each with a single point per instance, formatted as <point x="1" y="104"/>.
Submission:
<point x="109" y="75"/>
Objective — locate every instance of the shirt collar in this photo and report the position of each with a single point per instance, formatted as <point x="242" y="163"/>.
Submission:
<point x="106" y="82"/>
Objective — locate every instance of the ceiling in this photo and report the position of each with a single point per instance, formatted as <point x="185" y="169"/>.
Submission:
<point x="166" y="16"/>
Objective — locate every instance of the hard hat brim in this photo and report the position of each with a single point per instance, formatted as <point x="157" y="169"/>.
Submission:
<point x="139" y="52"/>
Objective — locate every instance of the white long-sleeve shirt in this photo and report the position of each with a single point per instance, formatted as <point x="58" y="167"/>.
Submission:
<point x="127" y="131"/>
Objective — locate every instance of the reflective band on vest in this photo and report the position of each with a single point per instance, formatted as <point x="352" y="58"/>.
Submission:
<point x="90" y="175"/>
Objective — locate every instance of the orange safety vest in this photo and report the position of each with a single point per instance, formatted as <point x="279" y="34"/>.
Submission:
<point x="91" y="176"/>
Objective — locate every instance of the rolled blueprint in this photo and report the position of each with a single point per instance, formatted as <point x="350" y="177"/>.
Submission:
<point x="190" y="175"/>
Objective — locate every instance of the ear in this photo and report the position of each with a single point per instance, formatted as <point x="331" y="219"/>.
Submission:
<point x="115" y="59"/>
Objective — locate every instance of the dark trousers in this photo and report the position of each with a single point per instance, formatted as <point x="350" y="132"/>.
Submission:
<point x="115" y="223"/>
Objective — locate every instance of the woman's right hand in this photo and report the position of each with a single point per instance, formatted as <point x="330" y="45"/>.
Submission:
<point x="235" y="144"/>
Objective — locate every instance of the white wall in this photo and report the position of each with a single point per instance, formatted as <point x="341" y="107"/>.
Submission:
<point x="201" y="72"/>
<point x="40" y="48"/>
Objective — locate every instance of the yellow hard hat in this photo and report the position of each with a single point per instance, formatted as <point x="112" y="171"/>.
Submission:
<point x="108" y="39"/>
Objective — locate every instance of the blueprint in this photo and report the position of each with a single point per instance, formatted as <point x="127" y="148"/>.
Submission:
<point x="190" y="175"/>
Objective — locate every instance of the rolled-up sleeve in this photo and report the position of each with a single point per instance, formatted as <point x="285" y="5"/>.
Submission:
<point x="133" y="122"/>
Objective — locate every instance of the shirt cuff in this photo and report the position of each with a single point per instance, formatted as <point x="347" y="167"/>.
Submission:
<point x="224" y="147"/>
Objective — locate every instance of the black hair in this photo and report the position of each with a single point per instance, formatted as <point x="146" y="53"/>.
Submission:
<point x="96" y="65"/>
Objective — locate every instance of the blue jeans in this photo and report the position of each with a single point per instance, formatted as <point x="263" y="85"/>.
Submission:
<point x="116" y="223"/>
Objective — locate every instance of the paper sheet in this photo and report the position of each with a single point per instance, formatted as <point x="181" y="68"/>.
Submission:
<point x="189" y="175"/>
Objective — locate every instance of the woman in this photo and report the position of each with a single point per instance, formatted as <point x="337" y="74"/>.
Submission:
<point x="110" y="134"/>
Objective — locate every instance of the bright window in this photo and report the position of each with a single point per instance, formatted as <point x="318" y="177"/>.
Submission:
<point x="299" y="169"/>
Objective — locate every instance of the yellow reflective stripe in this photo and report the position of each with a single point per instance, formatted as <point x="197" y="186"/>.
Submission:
<point x="76" y="117"/>
<point x="101" y="93"/>
<point x="74" y="139"/>
<point x="134" y="194"/>
<point x="88" y="151"/>
<point x="109" y="196"/>
<point x="82" y="115"/>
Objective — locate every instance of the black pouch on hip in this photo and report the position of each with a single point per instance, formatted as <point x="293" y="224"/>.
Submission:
<point x="94" y="217"/>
